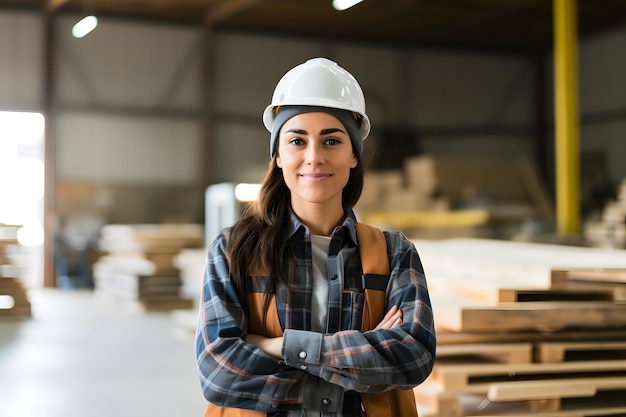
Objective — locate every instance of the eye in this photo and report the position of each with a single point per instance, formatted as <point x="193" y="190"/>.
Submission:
<point x="332" y="141"/>
<point x="296" y="141"/>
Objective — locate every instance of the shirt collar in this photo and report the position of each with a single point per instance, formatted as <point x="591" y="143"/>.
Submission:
<point x="349" y="224"/>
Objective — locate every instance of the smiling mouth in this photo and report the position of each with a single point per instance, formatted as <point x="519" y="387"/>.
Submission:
<point x="315" y="177"/>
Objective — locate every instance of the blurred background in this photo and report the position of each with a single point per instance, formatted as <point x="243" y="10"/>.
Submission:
<point x="130" y="134"/>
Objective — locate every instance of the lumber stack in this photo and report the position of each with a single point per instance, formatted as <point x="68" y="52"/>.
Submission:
<point x="609" y="229"/>
<point x="191" y="264"/>
<point x="475" y="197"/>
<point x="13" y="298"/>
<point x="525" y="329"/>
<point x="138" y="267"/>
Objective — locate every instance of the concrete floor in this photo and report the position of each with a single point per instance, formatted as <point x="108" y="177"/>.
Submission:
<point x="80" y="356"/>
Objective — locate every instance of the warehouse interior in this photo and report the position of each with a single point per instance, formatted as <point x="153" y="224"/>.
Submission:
<point x="497" y="147"/>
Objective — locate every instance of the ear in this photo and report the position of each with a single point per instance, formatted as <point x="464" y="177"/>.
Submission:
<point x="354" y="162"/>
<point x="279" y="162"/>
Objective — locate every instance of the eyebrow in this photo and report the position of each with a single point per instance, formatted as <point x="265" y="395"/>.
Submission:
<point x="322" y="132"/>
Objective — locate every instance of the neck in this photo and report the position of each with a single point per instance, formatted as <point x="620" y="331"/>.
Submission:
<point x="320" y="219"/>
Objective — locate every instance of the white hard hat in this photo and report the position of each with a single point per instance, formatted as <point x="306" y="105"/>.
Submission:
<point x="319" y="82"/>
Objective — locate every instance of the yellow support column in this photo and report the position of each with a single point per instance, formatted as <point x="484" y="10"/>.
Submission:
<point x="566" y="117"/>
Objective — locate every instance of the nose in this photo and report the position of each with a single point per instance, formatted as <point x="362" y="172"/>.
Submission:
<point x="314" y="154"/>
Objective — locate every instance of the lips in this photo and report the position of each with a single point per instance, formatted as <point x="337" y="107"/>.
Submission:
<point x="315" y="177"/>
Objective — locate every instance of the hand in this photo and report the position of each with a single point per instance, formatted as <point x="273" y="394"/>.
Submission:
<point x="392" y="319"/>
<point x="271" y="345"/>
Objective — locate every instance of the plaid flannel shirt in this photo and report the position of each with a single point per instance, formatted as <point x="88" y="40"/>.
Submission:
<point x="319" y="371"/>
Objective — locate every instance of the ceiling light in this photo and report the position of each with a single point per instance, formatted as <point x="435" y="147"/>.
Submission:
<point x="84" y="26"/>
<point x="345" y="4"/>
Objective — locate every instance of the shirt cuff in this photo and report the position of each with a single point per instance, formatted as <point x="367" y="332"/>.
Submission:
<point x="302" y="349"/>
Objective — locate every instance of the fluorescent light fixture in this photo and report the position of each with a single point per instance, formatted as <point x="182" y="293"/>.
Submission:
<point x="84" y="26"/>
<point x="345" y="4"/>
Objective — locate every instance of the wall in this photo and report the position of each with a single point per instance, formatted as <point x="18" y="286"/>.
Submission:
<point x="130" y="95"/>
<point x="127" y="120"/>
<point x="603" y="99"/>
<point x="21" y="52"/>
<point x="457" y="103"/>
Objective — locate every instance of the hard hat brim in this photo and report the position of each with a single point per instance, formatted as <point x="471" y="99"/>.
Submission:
<point x="268" y="117"/>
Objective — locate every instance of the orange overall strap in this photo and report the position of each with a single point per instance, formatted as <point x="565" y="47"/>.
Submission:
<point x="373" y="249"/>
<point x="375" y="265"/>
<point x="376" y="270"/>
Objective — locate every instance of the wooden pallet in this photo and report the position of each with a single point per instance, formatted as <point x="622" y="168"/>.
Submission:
<point x="529" y="387"/>
<point x="566" y="303"/>
<point x="603" y="404"/>
<point x="446" y="404"/>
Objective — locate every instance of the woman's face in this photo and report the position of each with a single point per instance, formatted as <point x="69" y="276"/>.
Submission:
<point x="315" y="154"/>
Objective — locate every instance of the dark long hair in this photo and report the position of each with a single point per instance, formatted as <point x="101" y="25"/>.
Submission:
<point x="257" y="242"/>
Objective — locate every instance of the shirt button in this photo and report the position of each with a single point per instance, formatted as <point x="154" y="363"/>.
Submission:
<point x="302" y="355"/>
<point x="303" y="367"/>
<point x="325" y="401"/>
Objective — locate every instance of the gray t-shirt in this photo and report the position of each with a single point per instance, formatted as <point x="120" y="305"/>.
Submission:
<point x="319" y="301"/>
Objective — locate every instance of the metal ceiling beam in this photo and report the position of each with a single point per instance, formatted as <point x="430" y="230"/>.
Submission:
<point x="226" y="8"/>
<point x="566" y="117"/>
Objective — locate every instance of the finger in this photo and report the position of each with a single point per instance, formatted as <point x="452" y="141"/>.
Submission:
<point x="384" y="320"/>
<point x="390" y="319"/>
<point x="393" y="310"/>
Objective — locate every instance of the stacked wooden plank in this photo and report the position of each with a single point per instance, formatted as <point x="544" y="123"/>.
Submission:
<point x="525" y="329"/>
<point x="13" y="298"/>
<point x="609" y="229"/>
<point x="503" y="194"/>
<point x="191" y="264"/>
<point x="412" y="189"/>
<point x="138" y="269"/>
<point x="409" y="200"/>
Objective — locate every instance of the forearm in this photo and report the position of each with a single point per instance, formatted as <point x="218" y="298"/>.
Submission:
<point x="237" y="374"/>
<point x="373" y="361"/>
<point x="270" y="345"/>
<point x="385" y="358"/>
<point x="242" y="376"/>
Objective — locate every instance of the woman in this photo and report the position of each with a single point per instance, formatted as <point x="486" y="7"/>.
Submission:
<point x="282" y="329"/>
